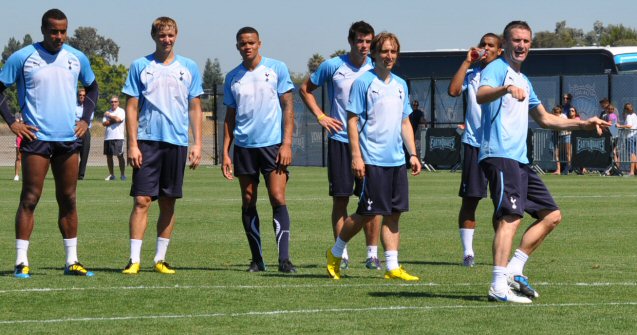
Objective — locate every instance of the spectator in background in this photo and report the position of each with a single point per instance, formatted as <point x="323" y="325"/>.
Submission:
<point x="416" y="118"/>
<point x="558" y="141"/>
<point x="86" y="139"/>
<point x="114" y="138"/>
<point x="610" y="114"/>
<point x="567" y="101"/>
<point x="572" y="114"/>
<point x="631" y="123"/>
<point x="603" y="104"/>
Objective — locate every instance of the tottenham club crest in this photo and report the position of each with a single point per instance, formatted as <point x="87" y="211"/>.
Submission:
<point x="513" y="201"/>
<point x="369" y="204"/>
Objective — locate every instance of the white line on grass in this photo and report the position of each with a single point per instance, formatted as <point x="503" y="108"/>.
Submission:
<point x="284" y="286"/>
<point x="313" y="311"/>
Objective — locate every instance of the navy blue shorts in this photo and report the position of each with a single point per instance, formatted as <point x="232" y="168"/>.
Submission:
<point x="473" y="183"/>
<point x="516" y="188"/>
<point x="385" y="191"/>
<point x="339" y="170"/>
<point x="50" y="148"/>
<point x="162" y="170"/>
<point x="251" y="161"/>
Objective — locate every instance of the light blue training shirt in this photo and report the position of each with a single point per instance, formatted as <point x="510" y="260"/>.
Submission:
<point x="164" y="92"/>
<point x="47" y="88"/>
<point x="339" y="74"/>
<point x="381" y="108"/>
<point x="255" y="97"/>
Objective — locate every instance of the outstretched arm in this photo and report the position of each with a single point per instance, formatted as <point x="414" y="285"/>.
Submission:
<point x="548" y="120"/>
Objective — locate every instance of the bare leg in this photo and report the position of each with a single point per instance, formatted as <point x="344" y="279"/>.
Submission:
<point x="109" y="164"/>
<point x="538" y="231"/>
<point x="139" y="217"/>
<point x="65" y="169"/>
<point x="122" y="165"/>
<point x="34" y="170"/>
<point x="166" y="219"/>
<point x="390" y="233"/>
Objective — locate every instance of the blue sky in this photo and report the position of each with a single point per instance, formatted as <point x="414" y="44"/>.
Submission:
<point x="294" y="30"/>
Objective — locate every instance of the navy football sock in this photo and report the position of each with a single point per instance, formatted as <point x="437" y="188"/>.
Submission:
<point x="281" y="224"/>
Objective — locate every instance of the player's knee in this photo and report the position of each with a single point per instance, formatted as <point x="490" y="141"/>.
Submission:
<point x="67" y="202"/>
<point x="142" y="202"/>
<point x="29" y="201"/>
<point x="554" y="218"/>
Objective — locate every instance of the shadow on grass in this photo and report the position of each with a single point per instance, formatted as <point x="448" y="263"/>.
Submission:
<point x="406" y="294"/>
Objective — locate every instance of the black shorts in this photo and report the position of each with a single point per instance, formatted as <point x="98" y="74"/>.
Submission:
<point x="339" y="170"/>
<point x="162" y="170"/>
<point x="473" y="183"/>
<point x="251" y="161"/>
<point x="516" y="188"/>
<point x="385" y="191"/>
<point x="114" y="147"/>
<point x="50" y="148"/>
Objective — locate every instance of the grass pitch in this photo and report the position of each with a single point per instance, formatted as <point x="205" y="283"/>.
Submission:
<point x="585" y="271"/>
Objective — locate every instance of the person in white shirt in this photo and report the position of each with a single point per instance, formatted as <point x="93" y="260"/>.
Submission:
<point x="114" y="138"/>
<point x="631" y="123"/>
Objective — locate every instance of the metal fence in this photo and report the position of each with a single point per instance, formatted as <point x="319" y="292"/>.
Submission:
<point x="558" y="151"/>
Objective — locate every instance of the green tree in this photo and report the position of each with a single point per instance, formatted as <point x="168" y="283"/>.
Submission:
<point x="562" y="37"/>
<point x="110" y="79"/>
<point x="298" y="77"/>
<point x="338" y="52"/>
<point x="212" y="74"/>
<point x="87" y="40"/>
<point x="12" y="46"/>
<point x="314" y="62"/>
<point x="614" y="35"/>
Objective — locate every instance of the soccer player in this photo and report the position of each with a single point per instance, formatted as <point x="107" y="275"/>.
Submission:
<point x="473" y="185"/>
<point x="339" y="73"/>
<point x="377" y="126"/>
<point x="507" y="97"/>
<point x="46" y="75"/>
<point x="259" y="101"/>
<point x="163" y="92"/>
<point x="86" y="139"/>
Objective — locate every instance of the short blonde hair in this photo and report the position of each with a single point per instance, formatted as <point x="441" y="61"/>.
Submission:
<point x="161" y="23"/>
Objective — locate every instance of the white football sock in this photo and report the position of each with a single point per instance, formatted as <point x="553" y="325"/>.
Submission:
<point x="22" y="248"/>
<point x="135" y="250"/>
<point x="339" y="247"/>
<point x="466" y="237"/>
<point x="517" y="262"/>
<point x="372" y="251"/>
<point x="162" y="247"/>
<point x="391" y="259"/>
<point x="499" y="281"/>
<point x="70" y="247"/>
